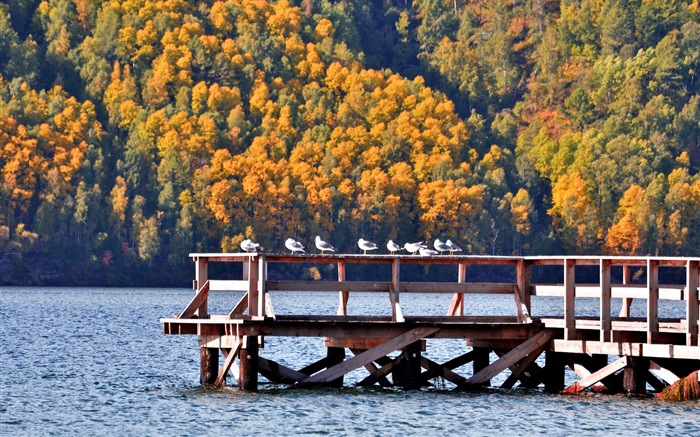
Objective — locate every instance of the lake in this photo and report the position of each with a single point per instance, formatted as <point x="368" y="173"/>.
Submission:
<point x="93" y="361"/>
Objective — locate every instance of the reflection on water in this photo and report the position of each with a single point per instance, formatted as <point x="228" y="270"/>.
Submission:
<point x="94" y="361"/>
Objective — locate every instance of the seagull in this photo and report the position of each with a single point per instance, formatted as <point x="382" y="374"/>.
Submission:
<point x="393" y="247"/>
<point x="427" y="252"/>
<point x="323" y="246"/>
<point x="453" y="247"/>
<point x="294" y="245"/>
<point x="440" y="246"/>
<point x="366" y="245"/>
<point x="248" y="245"/>
<point x="414" y="247"/>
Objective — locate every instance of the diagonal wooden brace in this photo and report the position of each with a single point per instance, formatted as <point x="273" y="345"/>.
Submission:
<point x="196" y="302"/>
<point x="368" y="356"/>
<point x="227" y="363"/>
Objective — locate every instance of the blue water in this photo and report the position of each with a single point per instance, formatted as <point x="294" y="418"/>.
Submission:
<point x="93" y="361"/>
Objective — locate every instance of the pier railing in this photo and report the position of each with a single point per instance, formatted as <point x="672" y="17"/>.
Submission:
<point x="614" y="281"/>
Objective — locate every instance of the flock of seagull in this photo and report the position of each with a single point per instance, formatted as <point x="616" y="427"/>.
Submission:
<point x="413" y="248"/>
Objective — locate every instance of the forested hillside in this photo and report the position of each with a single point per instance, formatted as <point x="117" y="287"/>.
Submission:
<point x="133" y="132"/>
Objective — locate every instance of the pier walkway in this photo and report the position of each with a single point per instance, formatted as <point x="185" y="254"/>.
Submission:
<point x="608" y="352"/>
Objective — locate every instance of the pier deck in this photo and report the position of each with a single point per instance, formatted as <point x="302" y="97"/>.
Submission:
<point x="611" y="352"/>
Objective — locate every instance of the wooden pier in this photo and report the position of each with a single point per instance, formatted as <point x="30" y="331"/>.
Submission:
<point x="608" y="352"/>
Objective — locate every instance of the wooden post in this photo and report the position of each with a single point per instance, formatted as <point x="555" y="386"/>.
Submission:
<point x="253" y="271"/>
<point x="605" y="296"/>
<point x="209" y="365"/>
<point x="248" y="375"/>
<point x="523" y="279"/>
<point x="569" y="299"/>
<point x="335" y="355"/>
<point x="627" y="301"/>
<point x="343" y="296"/>
<point x="555" y="366"/>
<point x="634" y="377"/>
<point x="481" y="361"/>
<point x="202" y="275"/>
<point x="410" y="366"/>
<point x="262" y="290"/>
<point x="691" y="302"/>
<point x="652" y="299"/>
<point x="394" y="291"/>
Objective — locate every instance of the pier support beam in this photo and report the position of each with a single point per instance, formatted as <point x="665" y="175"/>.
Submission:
<point x="635" y="375"/>
<point x="411" y="366"/>
<point x="481" y="361"/>
<point x="248" y="379"/>
<point x="209" y="365"/>
<point x="555" y="366"/>
<point x="335" y="355"/>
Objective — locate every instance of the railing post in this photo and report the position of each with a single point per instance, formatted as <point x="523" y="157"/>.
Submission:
<point x="262" y="289"/>
<point x="691" y="302"/>
<point x="605" y="296"/>
<point x="523" y="279"/>
<point x="343" y="296"/>
<point x="253" y="272"/>
<point x="394" y="292"/>
<point x="569" y="299"/>
<point x="457" y="303"/>
<point x="202" y="276"/>
<point x="626" y="301"/>
<point x="652" y="299"/>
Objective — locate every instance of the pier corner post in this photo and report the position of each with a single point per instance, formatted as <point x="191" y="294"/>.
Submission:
<point x="634" y="375"/>
<point x="335" y="355"/>
<point x="248" y="375"/>
<point x="209" y="365"/>
<point x="410" y="367"/>
<point x="555" y="367"/>
<point x="481" y="361"/>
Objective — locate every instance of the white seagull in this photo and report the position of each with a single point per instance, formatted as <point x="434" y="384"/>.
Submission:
<point x="414" y="247"/>
<point x="366" y="245"/>
<point x="428" y="252"/>
<point x="393" y="247"/>
<point x="323" y="246"/>
<point x="294" y="245"/>
<point x="453" y="247"/>
<point x="248" y="245"/>
<point x="440" y="246"/>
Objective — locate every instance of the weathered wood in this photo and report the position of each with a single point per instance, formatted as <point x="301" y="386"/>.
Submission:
<point x="230" y="357"/>
<point x="276" y="372"/>
<point x="253" y="291"/>
<point x="457" y="304"/>
<point x="197" y="303"/>
<point x="269" y="309"/>
<point x="370" y="355"/>
<point x="570" y="299"/>
<point x="343" y="295"/>
<point x="635" y="373"/>
<point x="627" y="301"/>
<point x="523" y="277"/>
<point x="512" y="357"/>
<point x="618" y="291"/>
<point x="692" y="304"/>
<point x="523" y="312"/>
<point x="201" y="277"/>
<point x="437" y="370"/>
<point x="209" y="365"/>
<point x="627" y="348"/>
<point x="240" y="307"/>
<point x="248" y="359"/>
<point x="554" y="365"/>
<point x="519" y="368"/>
<point x="379" y="374"/>
<point x="605" y="297"/>
<point x="663" y="373"/>
<point x="597" y="376"/>
<point x="411" y="366"/>
<point x="652" y="300"/>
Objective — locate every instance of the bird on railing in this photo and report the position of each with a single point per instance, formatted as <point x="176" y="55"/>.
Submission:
<point x="440" y="246"/>
<point x="453" y="247"/>
<point x="393" y="247"/>
<point x="248" y="246"/>
<point x="414" y="247"/>
<point x="366" y="245"/>
<point x="294" y="245"/>
<point x="424" y="251"/>
<point x="323" y="246"/>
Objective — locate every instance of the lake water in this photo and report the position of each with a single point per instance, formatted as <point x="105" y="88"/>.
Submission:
<point x="93" y="361"/>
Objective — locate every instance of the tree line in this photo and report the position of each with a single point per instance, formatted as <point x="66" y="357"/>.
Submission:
<point x="135" y="132"/>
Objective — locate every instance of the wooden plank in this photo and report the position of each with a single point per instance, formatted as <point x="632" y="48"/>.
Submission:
<point x="285" y="373"/>
<point x="378" y="375"/>
<point x="240" y="307"/>
<point x="518" y="369"/>
<point x="337" y="286"/>
<point x="627" y="348"/>
<point x="663" y="373"/>
<point x="652" y="300"/>
<point x="201" y="268"/>
<point x="692" y="304"/>
<point x="569" y="299"/>
<point x="253" y="271"/>
<point x="228" y="285"/>
<point x="627" y="300"/>
<point x="605" y="298"/>
<point x="595" y="377"/>
<point x="197" y="303"/>
<point x="269" y="310"/>
<point x="453" y="287"/>
<point x="396" y="313"/>
<point x="618" y="291"/>
<point x="523" y="278"/>
<point x="434" y="369"/>
<point x="227" y="363"/>
<point x="512" y="357"/>
<point x="370" y="355"/>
